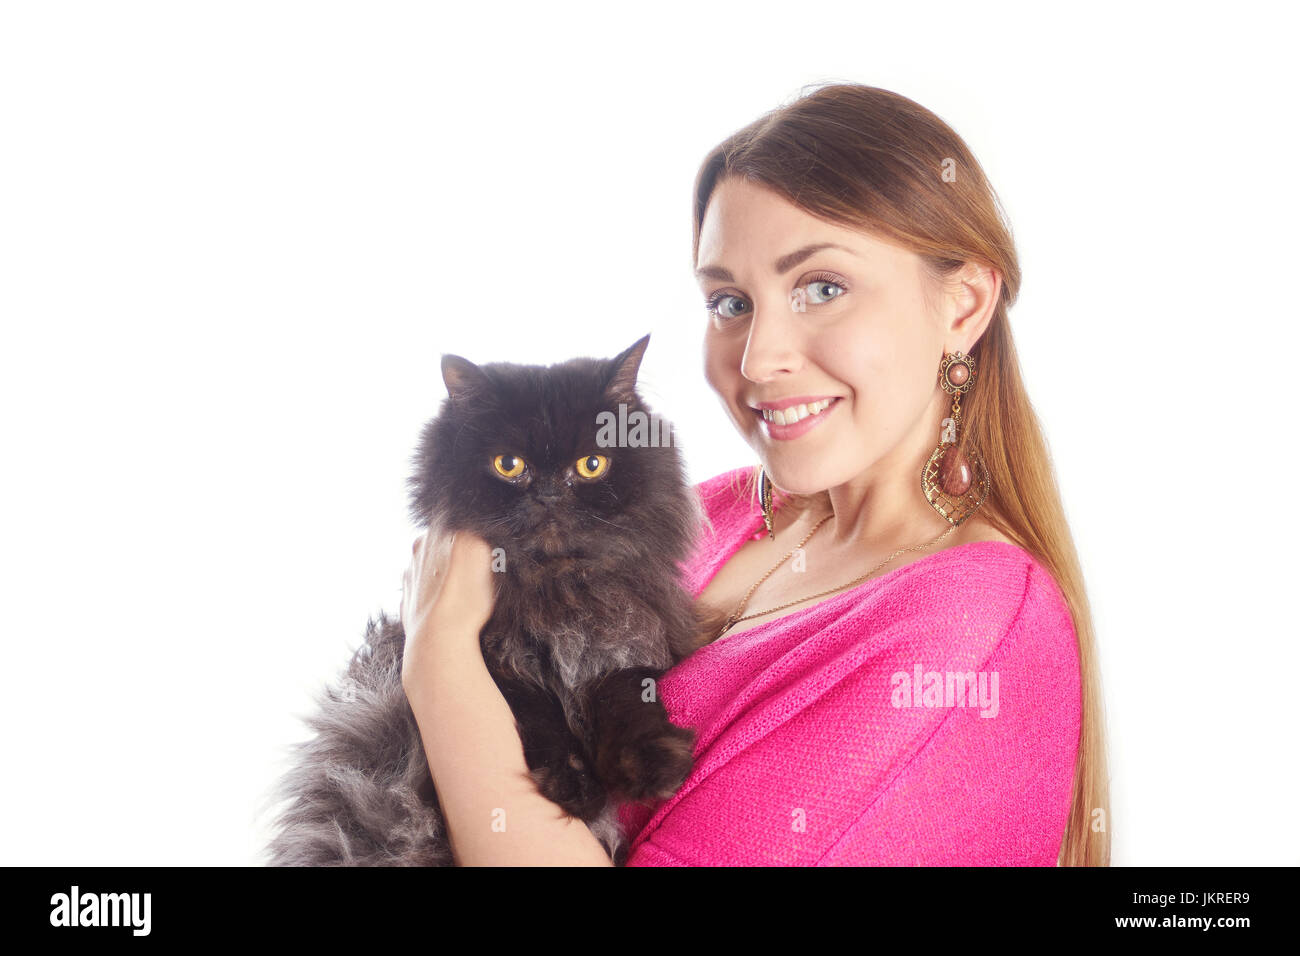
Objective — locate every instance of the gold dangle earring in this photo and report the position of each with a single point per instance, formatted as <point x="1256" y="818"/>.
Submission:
<point x="765" y="499"/>
<point x="955" y="482"/>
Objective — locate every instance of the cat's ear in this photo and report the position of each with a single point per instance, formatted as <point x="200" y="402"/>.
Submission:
<point x="461" y="376"/>
<point x="625" y="365"/>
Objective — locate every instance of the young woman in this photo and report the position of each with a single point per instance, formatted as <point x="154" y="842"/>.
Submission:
<point x="910" y="674"/>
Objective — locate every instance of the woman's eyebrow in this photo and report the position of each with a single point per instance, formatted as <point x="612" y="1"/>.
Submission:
<point x="780" y="267"/>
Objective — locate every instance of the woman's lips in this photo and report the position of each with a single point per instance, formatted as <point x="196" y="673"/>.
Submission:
<point x="799" y="428"/>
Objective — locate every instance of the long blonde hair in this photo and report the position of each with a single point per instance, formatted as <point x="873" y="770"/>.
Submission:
<point x="871" y="159"/>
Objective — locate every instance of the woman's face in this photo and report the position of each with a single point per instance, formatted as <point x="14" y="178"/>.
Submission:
<point x="850" y="324"/>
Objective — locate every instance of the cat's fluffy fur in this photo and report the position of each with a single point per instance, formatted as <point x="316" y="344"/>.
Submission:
<point x="590" y="609"/>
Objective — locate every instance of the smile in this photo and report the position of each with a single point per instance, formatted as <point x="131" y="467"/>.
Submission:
<point x="788" y="416"/>
<point x="795" y="419"/>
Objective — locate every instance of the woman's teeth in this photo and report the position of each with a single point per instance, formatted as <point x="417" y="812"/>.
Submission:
<point x="788" y="416"/>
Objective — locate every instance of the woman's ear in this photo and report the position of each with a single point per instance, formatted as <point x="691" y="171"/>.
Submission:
<point x="970" y="300"/>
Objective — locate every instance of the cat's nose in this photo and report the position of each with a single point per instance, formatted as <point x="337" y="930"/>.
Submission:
<point x="549" y="491"/>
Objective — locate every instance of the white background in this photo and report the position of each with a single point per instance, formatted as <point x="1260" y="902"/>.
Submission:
<point x="235" y="239"/>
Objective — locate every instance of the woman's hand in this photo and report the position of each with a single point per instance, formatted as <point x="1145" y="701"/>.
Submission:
<point x="448" y="592"/>
<point x="470" y="736"/>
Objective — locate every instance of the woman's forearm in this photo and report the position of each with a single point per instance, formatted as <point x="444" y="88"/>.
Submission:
<point x="494" y="812"/>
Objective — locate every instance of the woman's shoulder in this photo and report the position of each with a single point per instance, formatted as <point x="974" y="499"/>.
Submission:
<point x="725" y="488"/>
<point x="978" y="529"/>
<point x="1040" y="593"/>
<point x="725" y="509"/>
<point x="986" y="585"/>
<point x="727" y="499"/>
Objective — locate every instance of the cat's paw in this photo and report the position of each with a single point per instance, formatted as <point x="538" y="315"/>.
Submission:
<point x="650" y="767"/>
<point x="572" y="786"/>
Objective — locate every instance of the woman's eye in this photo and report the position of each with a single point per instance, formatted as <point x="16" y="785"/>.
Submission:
<point x="724" y="307"/>
<point x="817" y="291"/>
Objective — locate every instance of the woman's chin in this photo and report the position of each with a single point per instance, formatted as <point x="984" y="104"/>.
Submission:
<point x="799" y="483"/>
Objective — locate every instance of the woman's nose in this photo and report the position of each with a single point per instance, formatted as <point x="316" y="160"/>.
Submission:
<point x="773" y="347"/>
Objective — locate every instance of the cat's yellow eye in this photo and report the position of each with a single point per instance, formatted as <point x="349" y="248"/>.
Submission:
<point x="508" y="466"/>
<point x="593" y="466"/>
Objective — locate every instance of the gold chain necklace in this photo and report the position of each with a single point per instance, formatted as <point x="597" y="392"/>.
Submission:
<point x="734" y="619"/>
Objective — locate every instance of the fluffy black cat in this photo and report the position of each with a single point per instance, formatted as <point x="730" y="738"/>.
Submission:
<point x="590" y="611"/>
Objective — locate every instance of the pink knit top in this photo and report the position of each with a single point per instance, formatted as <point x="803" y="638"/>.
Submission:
<point x="839" y="734"/>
